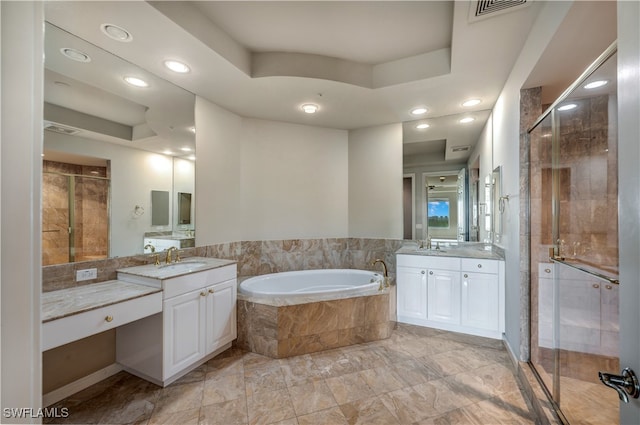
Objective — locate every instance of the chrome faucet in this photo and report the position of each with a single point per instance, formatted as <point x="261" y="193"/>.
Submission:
<point x="167" y="260"/>
<point x="385" y="282"/>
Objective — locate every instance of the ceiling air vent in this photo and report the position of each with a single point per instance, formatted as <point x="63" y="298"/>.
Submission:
<point x="460" y="148"/>
<point x="62" y="129"/>
<point x="486" y="8"/>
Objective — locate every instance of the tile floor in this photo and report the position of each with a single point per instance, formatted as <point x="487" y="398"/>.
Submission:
<point x="417" y="376"/>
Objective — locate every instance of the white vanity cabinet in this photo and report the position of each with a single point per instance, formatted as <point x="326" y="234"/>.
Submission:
<point x="198" y="322"/>
<point x="457" y="294"/>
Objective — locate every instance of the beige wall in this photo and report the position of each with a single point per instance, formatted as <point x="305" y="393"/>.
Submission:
<point x="375" y="182"/>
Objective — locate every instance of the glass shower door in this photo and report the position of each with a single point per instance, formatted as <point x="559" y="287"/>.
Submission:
<point x="574" y="248"/>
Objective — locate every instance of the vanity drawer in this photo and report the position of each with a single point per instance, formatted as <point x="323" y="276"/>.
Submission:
<point x="71" y="328"/>
<point x="428" y="262"/>
<point x="198" y="280"/>
<point x="479" y="266"/>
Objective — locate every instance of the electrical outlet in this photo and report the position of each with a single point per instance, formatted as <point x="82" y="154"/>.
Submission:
<point x="86" y="274"/>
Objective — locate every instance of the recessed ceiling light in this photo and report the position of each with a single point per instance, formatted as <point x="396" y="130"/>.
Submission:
<point x="167" y="152"/>
<point x="61" y="84"/>
<point x="75" y="54"/>
<point x="185" y="149"/>
<point x="595" y="84"/>
<point x="116" y="33"/>
<point x="418" y="111"/>
<point x="471" y="102"/>
<point x="310" y="108"/>
<point x="192" y="129"/>
<point x="135" y="81"/>
<point x="177" y="66"/>
<point x="422" y="126"/>
<point x="192" y="157"/>
<point x="467" y="120"/>
<point x="567" y="107"/>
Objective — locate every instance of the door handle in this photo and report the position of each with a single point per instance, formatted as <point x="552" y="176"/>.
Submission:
<point x="626" y="384"/>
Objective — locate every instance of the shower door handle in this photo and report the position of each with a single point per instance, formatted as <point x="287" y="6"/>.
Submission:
<point x="626" y="384"/>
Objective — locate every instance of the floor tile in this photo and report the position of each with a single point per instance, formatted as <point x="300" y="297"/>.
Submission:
<point x="348" y="388"/>
<point x="332" y="416"/>
<point x="223" y="388"/>
<point x="186" y="417"/>
<point x="368" y="411"/>
<point x="311" y="397"/>
<point x="233" y="412"/>
<point x="268" y="407"/>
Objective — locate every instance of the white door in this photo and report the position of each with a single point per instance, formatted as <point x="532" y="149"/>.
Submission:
<point x="412" y="293"/>
<point x="629" y="194"/>
<point x="184" y="318"/>
<point x="480" y="295"/>
<point x="221" y="326"/>
<point x="443" y="296"/>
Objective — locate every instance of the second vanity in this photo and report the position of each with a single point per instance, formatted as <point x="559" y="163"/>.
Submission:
<point x="197" y="322"/>
<point x="169" y="318"/>
<point x="458" y="288"/>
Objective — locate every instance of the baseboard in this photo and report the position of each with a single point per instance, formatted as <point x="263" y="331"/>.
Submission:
<point x="80" y="384"/>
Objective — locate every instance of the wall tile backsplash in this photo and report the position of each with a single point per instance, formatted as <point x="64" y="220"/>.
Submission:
<point x="253" y="257"/>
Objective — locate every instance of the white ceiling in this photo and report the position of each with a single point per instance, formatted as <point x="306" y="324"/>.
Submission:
<point x="364" y="63"/>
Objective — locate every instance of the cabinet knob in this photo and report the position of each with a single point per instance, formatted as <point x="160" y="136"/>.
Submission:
<point x="109" y="318"/>
<point x="547" y="270"/>
<point x="211" y="291"/>
<point x="422" y="272"/>
<point x="595" y="285"/>
<point x="608" y="286"/>
<point x="466" y="275"/>
<point x="431" y="272"/>
<point x="479" y="266"/>
<point x="203" y="294"/>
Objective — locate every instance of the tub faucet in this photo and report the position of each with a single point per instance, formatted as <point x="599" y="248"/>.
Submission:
<point x="386" y="274"/>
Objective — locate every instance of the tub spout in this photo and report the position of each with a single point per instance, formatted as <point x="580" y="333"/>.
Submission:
<point x="385" y="272"/>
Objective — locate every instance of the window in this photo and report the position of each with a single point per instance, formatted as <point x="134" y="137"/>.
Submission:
<point x="438" y="213"/>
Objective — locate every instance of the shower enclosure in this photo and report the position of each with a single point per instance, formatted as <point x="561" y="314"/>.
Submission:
<point x="75" y="213"/>
<point x="574" y="246"/>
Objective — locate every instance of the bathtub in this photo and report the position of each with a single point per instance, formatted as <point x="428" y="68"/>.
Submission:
<point x="307" y="283"/>
<point x="292" y="313"/>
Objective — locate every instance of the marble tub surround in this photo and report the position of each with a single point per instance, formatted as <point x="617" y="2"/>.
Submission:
<point x="456" y="249"/>
<point x="294" y="329"/>
<point x="253" y="257"/>
<point x="406" y="379"/>
<point x="70" y="301"/>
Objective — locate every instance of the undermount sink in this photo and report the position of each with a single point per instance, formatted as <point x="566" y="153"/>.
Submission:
<point x="183" y="266"/>
<point x="152" y="274"/>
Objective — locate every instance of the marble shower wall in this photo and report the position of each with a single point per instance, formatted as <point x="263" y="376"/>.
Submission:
<point x="253" y="257"/>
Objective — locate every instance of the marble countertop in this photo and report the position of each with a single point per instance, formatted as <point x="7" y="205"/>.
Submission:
<point x="70" y="301"/>
<point x="460" y="249"/>
<point x="167" y="271"/>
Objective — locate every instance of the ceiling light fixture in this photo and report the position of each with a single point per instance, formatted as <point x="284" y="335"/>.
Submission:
<point x="75" y="55"/>
<point x="177" y="66"/>
<point x="595" y="84"/>
<point x="422" y="126"/>
<point x="418" y="111"/>
<point x="116" y="33"/>
<point x="167" y="152"/>
<point x="310" y="108"/>
<point x="467" y="120"/>
<point x="471" y="102"/>
<point x="185" y="149"/>
<point x="192" y="129"/>
<point x="567" y="107"/>
<point x="137" y="82"/>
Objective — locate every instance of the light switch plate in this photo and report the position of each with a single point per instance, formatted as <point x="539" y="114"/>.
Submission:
<point x="86" y="274"/>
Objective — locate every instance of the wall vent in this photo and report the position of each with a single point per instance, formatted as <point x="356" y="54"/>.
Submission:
<point x="62" y="129"/>
<point x="460" y="148"/>
<point x="486" y="8"/>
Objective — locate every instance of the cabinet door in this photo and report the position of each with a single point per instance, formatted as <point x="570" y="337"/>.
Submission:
<point x="480" y="295"/>
<point x="412" y="293"/>
<point x="184" y="319"/>
<point x="443" y="296"/>
<point x="221" y="327"/>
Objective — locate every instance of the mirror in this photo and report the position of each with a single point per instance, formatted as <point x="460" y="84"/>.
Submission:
<point x="497" y="202"/>
<point x="441" y="149"/>
<point x="159" y="208"/>
<point x="488" y="208"/>
<point x="142" y="138"/>
<point x="184" y="208"/>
